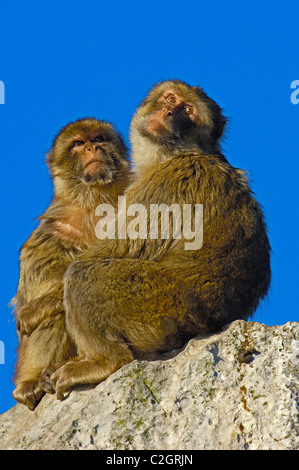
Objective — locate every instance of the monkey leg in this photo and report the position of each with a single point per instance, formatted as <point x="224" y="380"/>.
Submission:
<point x="140" y="302"/>
<point x="87" y="371"/>
<point x="118" y="310"/>
<point x="46" y="345"/>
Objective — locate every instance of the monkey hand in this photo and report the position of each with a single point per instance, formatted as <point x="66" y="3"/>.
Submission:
<point x="27" y="319"/>
<point x="59" y="378"/>
<point x="40" y="310"/>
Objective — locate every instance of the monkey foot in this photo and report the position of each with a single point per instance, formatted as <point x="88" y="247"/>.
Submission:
<point x="62" y="378"/>
<point x="45" y="381"/>
<point x="57" y="379"/>
<point x="28" y="393"/>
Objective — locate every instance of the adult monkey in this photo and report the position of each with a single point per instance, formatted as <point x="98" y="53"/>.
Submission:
<point x="89" y="165"/>
<point x="131" y="298"/>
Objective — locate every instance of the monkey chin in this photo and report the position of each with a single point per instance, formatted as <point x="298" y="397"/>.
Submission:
<point x="101" y="177"/>
<point x="96" y="172"/>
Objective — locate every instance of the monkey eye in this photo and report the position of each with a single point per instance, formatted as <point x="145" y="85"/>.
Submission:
<point x="188" y="109"/>
<point x="99" y="139"/>
<point x="77" y="143"/>
<point x="171" y="99"/>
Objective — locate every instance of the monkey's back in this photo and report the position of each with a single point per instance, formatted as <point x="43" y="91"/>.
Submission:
<point x="230" y="273"/>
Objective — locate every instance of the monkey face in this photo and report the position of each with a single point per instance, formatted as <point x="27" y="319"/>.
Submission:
<point x="88" y="151"/>
<point x="175" y="115"/>
<point x="94" y="161"/>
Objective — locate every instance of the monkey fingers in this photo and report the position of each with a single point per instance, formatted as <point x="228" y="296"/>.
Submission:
<point x="27" y="320"/>
<point x="29" y="394"/>
<point x="36" y="312"/>
<point x="45" y="381"/>
<point x="73" y="373"/>
<point x="82" y="371"/>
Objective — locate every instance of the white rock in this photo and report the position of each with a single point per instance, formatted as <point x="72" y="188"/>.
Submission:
<point x="205" y="397"/>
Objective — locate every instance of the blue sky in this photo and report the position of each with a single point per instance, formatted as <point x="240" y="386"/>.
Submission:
<point x="62" y="60"/>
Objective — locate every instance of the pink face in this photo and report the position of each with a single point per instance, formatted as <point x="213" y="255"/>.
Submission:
<point x="169" y="102"/>
<point x="89" y="150"/>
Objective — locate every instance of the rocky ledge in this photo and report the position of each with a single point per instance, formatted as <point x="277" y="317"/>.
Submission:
<point x="238" y="389"/>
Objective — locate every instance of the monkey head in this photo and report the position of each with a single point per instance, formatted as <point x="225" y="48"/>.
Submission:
<point x="87" y="152"/>
<point x="175" y="118"/>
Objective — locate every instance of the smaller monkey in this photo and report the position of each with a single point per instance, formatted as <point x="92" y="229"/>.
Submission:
<point x="89" y="166"/>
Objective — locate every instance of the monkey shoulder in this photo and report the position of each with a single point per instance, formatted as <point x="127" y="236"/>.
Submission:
<point x="192" y="166"/>
<point x="191" y="174"/>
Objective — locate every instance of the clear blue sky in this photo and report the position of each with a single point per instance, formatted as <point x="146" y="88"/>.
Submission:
<point x="62" y="60"/>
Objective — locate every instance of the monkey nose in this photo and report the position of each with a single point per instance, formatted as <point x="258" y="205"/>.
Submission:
<point x="167" y="112"/>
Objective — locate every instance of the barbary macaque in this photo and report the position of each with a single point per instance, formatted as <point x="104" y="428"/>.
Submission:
<point x="131" y="298"/>
<point x="89" y="165"/>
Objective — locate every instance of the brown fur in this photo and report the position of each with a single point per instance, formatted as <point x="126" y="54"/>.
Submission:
<point x="131" y="298"/>
<point x="66" y="230"/>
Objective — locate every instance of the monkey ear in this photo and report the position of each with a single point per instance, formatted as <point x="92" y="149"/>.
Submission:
<point x="219" y="126"/>
<point x="49" y="156"/>
<point x="50" y="159"/>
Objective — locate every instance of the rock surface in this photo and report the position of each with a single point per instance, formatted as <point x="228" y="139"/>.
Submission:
<point x="238" y="389"/>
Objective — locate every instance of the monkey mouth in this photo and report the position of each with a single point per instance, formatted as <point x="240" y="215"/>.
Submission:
<point x="97" y="167"/>
<point x="163" y="127"/>
<point x="94" y="162"/>
<point x="162" y="133"/>
<point x="158" y="124"/>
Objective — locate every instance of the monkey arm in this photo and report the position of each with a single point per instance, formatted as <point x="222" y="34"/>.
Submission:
<point x="40" y="310"/>
<point x="145" y="194"/>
